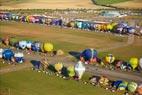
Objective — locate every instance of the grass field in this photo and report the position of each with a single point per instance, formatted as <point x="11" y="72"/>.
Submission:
<point x="72" y="40"/>
<point x="47" y="4"/>
<point x="106" y="2"/>
<point x="27" y="82"/>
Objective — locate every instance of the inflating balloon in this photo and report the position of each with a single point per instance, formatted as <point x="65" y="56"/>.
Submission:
<point x="6" y="41"/>
<point x="36" y="46"/>
<point x="140" y="63"/>
<point x="132" y="86"/>
<point x="1" y="51"/>
<point x="48" y="47"/>
<point x="109" y="58"/>
<point x="8" y="54"/>
<point x="19" y="57"/>
<point x="58" y="67"/>
<point x="22" y="44"/>
<point x="139" y="89"/>
<point x="134" y="62"/>
<point x="123" y="85"/>
<point x="104" y="81"/>
<point x="116" y="83"/>
<point x="29" y="44"/>
<point x="71" y="71"/>
<point x="89" y="55"/>
<point x="79" y="69"/>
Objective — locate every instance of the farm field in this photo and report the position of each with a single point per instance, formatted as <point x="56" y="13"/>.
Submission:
<point x="47" y="4"/>
<point x="135" y="4"/>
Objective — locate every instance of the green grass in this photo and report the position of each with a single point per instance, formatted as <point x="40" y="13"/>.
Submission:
<point x="28" y="82"/>
<point x="72" y="40"/>
<point x="9" y="2"/>
<point x="106" y="2"/>
<point x="66" y="39"/>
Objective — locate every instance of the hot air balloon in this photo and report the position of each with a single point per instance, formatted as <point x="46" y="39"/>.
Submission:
<point x="89" y="55"/>
<point x="123" y="85"/>
<point x="109" y="58"/>
<point x="132" y="86"/>
<point x="1" y="51"/>
<point x="58" y="67"/>
<point x="71" y="71"/>
<point x="6" y="41"/>
<point x="104" y="81"/>
<point x="8" y="54"/>
<point x="29" y="44"/>
<point x="36" y="46"/>
<point x="19" y="57"/>
<point x="47" y="47"/>
<point x="116" y="83"/>
<point x="139" y="89"/>
<point x="79" y="69"/>
<point x="140" y="63"/>
<point x="22" y="44"/>
<point x="134" y="63"/>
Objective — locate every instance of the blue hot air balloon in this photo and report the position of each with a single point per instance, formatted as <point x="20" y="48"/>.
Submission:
<point x="8" y="54"/>
<point x="89" y="55"/>
<point x="19" y="57"/>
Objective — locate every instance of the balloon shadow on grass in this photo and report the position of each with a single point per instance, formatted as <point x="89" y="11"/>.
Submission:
<point x="36" y="64"/>
<point x="75" y="54"/>
<point x="64" y="72"/>
<point x="51" y="68"/>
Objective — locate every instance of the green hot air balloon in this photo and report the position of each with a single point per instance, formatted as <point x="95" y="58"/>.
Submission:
<point x="132" y="86"/>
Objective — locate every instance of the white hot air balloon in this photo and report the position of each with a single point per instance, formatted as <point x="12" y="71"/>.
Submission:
<point x="79" y="69"/>
<point x="140" y="63"/>
<point x="1" y="51"/>
<point x="22" y="44"/>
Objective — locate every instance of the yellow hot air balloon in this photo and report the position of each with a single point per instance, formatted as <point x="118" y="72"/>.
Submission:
<point x="71" y="71"/>
<point x="109" y="58"/>
<point x="58" y="66"/>
<point x="134" y="62"/>
<point x="109" y="27"/>
<point x="47" y="47"/>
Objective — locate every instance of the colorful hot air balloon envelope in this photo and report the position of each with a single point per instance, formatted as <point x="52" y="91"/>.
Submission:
<point x="132" y="86"/>
<point x="123" y="85"/>
<point x="29" y="44"/>
<point x="58" y="67"/>
<point x="89" y="55"/>
<point x="48" y="47"/>
<point x="6" y="41"/>
<point x="8" y="54"/>
<point x="36" y="46"/>
<point x="71" y="71"/>
<point x="79" y="69"/>
<point x="134" y="63"/>
<point x="1" y="51"/>
<point x="139" y="89"/>
<point x="116" y="83"/>
<point x="140" y="63"/>
<point x="104" y="81"/>
<point x="109" y="58"/>
<point x="19" y="57"/>
<point x="22" y="44"/>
